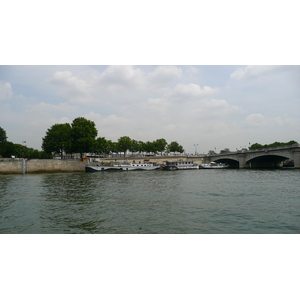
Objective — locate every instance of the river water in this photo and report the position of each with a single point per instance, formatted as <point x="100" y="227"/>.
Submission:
<point x="153" y="202"/>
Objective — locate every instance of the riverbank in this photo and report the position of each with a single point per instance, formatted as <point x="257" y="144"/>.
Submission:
<point x="20" y="166"/>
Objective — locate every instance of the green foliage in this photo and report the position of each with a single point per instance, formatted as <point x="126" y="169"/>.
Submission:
<point x="124" y="144"/>
<point x="3" y="139"/>
<point x="20" y="151"/>
<point x="3" y="136"/>
<point x="149" y="147"/>
<point x="58" y="139"/>
<point x="226" y="150"/>
<point x="175" y="147"/>
<point x="9" y="149"/>
<point x="257" y="146"/>
<point x="102" y="146"/>
<point x="160" y="145"/>
<point x="83" y="135"/>
<point x="134" y="147"/>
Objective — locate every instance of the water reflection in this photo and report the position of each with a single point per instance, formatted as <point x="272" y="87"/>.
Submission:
<point x="4" y="188"/>
<point x="234" y="201"/>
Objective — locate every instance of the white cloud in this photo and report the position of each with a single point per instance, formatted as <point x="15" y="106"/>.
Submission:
<point x="122" y="76"/>
<point x="255" y="120"/>
<point x="251" y="71"/>
<point x="156" y="105"/>
<point x="5" y="91"/>
<point x="165" y="74"/>
<point x="52" y="108"/>
<point x="182" y="93"/>
<point x="71" y="87"/>
<point x="214" y="108"/>
<point x="112" y="126"/>
<point x="67" y="79"/>
<point x="193" y="90"/>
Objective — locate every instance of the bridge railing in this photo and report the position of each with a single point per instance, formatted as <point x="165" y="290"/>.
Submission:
<point x="277" y="148"/>
<point x="254" y="150"/>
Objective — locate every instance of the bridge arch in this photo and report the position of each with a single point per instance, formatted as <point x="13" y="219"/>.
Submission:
<point x="269" y="158"/>
<point x="233" y="163"/>
<point x="266" y="160"/>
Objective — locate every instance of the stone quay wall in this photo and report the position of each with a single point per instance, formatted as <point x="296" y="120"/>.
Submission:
<point x="11" y="166"/>
<point x="41" y="166"/>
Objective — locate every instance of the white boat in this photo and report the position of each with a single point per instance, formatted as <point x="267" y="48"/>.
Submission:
<point x="123" y="166"/>
<point x="180" y="165"/>
<point x="214" y="165"/>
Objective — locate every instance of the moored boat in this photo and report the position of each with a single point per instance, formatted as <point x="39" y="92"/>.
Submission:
<point x="180" y="165"/>
<point x="122" y="166"/>
<point x="214" y="165"/>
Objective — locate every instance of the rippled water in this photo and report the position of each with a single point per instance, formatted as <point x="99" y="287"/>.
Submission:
<point x="191" y="201"/>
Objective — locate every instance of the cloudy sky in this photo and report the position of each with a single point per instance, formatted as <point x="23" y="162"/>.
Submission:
<point x="217" y="74"/>
<point x="212" y="106"/>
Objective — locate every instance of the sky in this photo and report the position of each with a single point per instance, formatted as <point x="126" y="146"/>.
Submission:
<point x="202" y="107"/>
<point x="203" y="74"/>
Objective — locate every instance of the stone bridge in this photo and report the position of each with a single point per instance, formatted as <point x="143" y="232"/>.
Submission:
<point x="264" y="158"/>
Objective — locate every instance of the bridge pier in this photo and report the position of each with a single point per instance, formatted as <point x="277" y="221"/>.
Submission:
<point x="297" y="159"/>
<point x="242" y="162"/>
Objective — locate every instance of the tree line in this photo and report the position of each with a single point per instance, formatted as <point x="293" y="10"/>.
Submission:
<point x="258" y="146"/>
<point x="9" y="149"/>
<point x="81" y="137"/>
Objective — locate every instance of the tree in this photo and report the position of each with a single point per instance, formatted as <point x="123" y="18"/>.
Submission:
<point x="160" y="145"/>
<point x="9" y="150"/>
<point x="175" y="147"/>
<point x="141" y="146"/>
<point x="226" y="150"/>
<point x="58" y="139"/>
<point x="134" y="146"/>
<point x="113" y="147"/>
<point x="3" y="139"/>
<point x="124" y="144"/>
<point x="149" y="147"/>
<point x="83" y="135"/>
<point x="290" y="143"/>
<point x="102" y="146"/>
<point x="256" y="146"/>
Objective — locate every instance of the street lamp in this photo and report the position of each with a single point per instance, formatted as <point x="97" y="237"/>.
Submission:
<point x="195" y="145"/>
<point x="23" y="160"/>
<point x="24" y="145"/>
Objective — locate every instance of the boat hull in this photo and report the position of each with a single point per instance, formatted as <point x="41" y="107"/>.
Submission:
<point x="172" y="168"/>
<point x="180" y="165"/>
<point x="203" y="166"/>
<point x="120" y="168"/>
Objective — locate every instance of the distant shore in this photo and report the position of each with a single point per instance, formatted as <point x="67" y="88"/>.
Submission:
<point x="18" y="166"/>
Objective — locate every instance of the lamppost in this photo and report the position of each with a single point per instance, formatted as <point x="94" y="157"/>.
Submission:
<point x="24" y="145"/>
<point x="23" y="160"/>
<point x="195" y="145"/>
